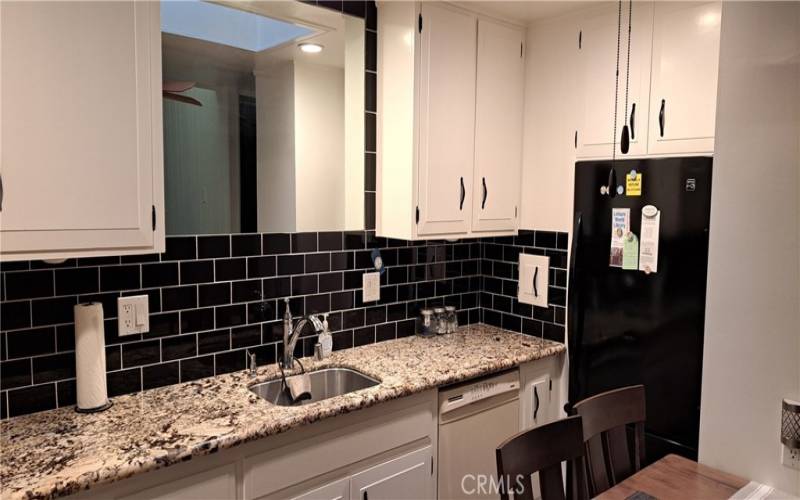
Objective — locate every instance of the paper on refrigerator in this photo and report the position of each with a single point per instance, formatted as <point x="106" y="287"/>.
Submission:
<point x="620" y="226"/>
<point x="648" y="240"/>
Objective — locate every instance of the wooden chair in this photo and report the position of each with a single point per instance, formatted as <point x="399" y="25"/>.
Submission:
<point x="542" y="450"/>
<point x="610" y="454"/>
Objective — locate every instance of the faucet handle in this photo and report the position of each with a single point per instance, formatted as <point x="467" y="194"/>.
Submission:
<point x="253" y="365"/>
<point x="287" y="314"/>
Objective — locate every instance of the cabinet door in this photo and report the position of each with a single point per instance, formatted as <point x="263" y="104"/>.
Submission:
<point x="408" y="476"/>
<point x="215" y="484"/>
<point x="446" y="119"/>
<point x="81" y="132"/>
<point x="336" y="490"/>
<point x="684" y="80"/>
<point x="498" y="127"/>
<point x="598" y="59"/>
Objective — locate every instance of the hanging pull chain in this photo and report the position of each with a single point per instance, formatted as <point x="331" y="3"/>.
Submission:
<point x="625" y="139"/>
<point x="616" y="88"/>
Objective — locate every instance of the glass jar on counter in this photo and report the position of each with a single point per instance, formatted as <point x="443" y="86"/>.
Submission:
<point x="426" y="323"/>
<point x="441" y="320"/>
<point x="452" y="318"/>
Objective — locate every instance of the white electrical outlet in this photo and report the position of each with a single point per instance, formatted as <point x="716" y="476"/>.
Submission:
<point x="133" y="315"/>
<point x="790" y="457"/>
<point x="371" y="286"/>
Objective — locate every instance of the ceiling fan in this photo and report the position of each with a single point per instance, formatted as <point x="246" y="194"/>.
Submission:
<point x="173" y="89"/>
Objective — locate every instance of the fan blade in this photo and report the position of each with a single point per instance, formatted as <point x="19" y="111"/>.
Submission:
<point x="175" y="86"/>
<point x="181" y="98"/>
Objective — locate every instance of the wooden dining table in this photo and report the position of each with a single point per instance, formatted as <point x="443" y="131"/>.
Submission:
<point x="679" y="478"/>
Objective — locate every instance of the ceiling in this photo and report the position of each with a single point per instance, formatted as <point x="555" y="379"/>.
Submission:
<point x="525" y="12"/>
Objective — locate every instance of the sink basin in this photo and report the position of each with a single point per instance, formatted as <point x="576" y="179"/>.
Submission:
<point x="325" y="384"/>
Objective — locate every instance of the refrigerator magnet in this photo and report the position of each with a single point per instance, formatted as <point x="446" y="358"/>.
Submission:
<point x="633" y="183"/>
<point x="630" y="252"/>
<point x="648" y="246"/>
<point x="620" y="226"/>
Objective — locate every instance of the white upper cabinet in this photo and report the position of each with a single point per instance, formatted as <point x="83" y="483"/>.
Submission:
<point x="684" y="77"/>
<point x="81" y="139"/>
<point x="598" y="62"/>
<point x="671" y="80"/>
<point x="498" y="127"/>
<point x="450" y="102"/>
<point x="446" y="119"/>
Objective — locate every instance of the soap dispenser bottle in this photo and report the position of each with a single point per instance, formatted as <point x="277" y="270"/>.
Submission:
<point x="325" y="339"/>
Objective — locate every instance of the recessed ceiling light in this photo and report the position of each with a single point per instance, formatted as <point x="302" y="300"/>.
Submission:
<point x="311" y="48"/>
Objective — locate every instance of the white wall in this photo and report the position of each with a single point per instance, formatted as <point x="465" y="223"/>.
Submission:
<point x="354" y="123"/>
<point x="275" y="149"/>
<point x="752" y="342"/>
<point x="551" y="113"/>
<point x="319" y="146"/>
<point x="201" y="153"/>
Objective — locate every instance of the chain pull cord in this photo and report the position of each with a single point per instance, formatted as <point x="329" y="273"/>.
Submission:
<point x="625" y="139"/>
<point x="616" y="92"/>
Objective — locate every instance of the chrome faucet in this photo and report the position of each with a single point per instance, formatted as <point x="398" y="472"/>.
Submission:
<point x="291" y="331"/>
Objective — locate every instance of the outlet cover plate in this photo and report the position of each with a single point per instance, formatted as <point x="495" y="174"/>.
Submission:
<point x="790" y="457"/>
<point x="371" y="286"/>
<point x="133" y="315"/>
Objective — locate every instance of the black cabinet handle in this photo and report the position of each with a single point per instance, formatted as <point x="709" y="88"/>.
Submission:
<point x="366" y="496"/>
<point x="1" y="193"/>
<point x="535" y="402"/>
<point x="535" y="275"/>
<point x="633" y="123"/>
<point x="485" y="194"/>
<point x="463" y="194"/>
<point x="661" y="117"/>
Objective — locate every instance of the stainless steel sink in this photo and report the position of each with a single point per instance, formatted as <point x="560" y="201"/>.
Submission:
<point x="325" y="384"/>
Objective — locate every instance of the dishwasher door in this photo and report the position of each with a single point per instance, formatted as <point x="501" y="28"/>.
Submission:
<point x="473" y="419"/>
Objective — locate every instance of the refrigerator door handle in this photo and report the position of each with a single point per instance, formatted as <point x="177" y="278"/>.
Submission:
<point x="572" y="307"/>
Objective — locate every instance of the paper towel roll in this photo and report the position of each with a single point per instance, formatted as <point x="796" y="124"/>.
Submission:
<point x="90" y="358"/>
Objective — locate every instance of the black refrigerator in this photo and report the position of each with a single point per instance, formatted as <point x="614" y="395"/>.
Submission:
<point x="627" y="326"/>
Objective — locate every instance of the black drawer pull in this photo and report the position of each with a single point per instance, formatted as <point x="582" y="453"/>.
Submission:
<point x="485" y="194"/>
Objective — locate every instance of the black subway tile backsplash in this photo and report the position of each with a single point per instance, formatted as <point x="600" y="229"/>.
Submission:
<point x="276" y="243"/>
<point x="200" y="271"/>
<point x="160" y="274"/>
<point x="31" y="399"/>
<point x="160" y="375"/>
<point x="119" y="277"/>
<point x="76" y="281"/>
<point x="212" y="247"/>
<point x="245" y="244"/>
<point x="214" y="297"/>
<point x="29" y="285"/>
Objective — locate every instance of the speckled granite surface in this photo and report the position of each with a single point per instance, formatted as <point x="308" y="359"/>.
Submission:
<point x="59" y="452"/>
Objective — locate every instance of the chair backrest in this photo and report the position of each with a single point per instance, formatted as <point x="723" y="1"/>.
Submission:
<point x="610" y="455"/>
<point x="542" y="450"/>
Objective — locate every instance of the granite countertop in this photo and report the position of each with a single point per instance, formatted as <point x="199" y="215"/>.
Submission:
<point x="59" y="452"/>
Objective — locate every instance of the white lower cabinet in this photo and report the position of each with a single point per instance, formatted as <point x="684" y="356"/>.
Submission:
<point x="214" y="484"/>
<point x="408" y="476"/>
<point x="336" y="490"/>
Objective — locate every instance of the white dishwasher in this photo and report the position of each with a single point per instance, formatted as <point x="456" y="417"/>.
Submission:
<point x="475" y="417"/>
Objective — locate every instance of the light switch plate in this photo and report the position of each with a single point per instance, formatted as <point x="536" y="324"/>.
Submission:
<point x="133" y="315"/>
<point x="534" y="279"/>
<point x="371" y="286"/>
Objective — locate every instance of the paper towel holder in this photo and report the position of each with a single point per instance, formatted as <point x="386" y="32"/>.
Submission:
<point x="96" y="409"/>
<point x="790" y="424"/>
